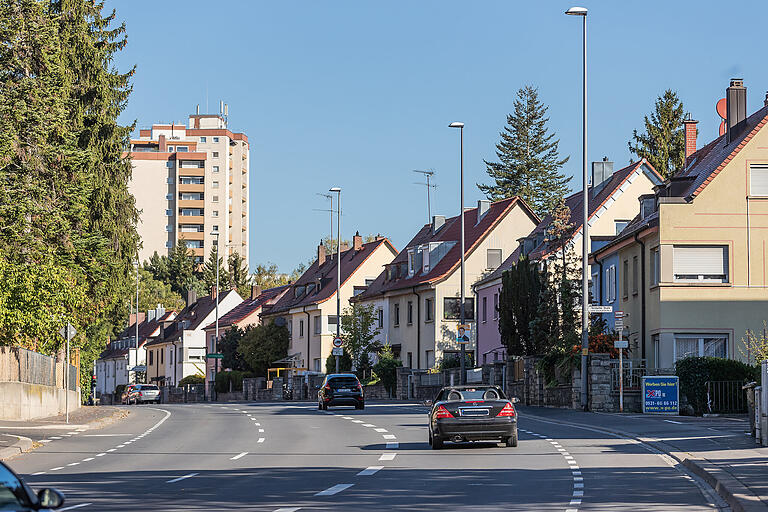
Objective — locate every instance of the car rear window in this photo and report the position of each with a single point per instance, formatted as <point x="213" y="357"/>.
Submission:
<point x="472" y="394"/>
<point x="343" y="382"/>
<point x="150" y="387"/>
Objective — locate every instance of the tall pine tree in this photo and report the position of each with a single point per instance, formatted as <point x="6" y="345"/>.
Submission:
<point x="529" y="162"/>
<point x="663" y="143"/>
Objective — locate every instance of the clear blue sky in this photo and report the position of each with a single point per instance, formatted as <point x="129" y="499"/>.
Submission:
<point x="357" y="94"/>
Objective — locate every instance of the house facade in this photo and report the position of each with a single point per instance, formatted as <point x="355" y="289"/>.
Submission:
<point x="419" y="291"/>
<point x="692" y="265"/>
<point x="308" y="308"/>
<point x="612" y="203"/>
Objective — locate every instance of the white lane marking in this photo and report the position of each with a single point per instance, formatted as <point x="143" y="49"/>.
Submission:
<point x="79" y="505"/>
<point x="368" y="425"/>
<point x="100" y="454"/>
<point x="190" y="475"/>
<point x="55" y="437"/>
<point x="578" y="485"/>
<point x="73" y="464"/>
<point x="334" y="490"/>
<point x="346" y="417"/>
<point x="261" y="430"/>
<point x="261" y="440"/>
<point x="380" y="429"/>
<point x="239" y="455"/>
<point x="106" y="435"/>
<point x="56" y="468"/>
<point x="257" y="424"/>
<point x="120" y="446"/>
<point x="45" y="440"/>
<point x="38" y="473"/>
<point x="288" y="509"/>
<point x="73" y="433"/>
<point x="357" y="421"/>
<point x="389" y="436"/>
<point x="392" y="446"/>
<point x="88" y="459"/>
<point x="387" y="456"/>
<point x="111" y="449"/>
<point x="370" y="470"/>
<point x="575" y="502"/>
<point x="675" y="422"/>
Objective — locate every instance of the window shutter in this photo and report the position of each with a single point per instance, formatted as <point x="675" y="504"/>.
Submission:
<point x="699" y="260"/>
<point x="758" y="180"/>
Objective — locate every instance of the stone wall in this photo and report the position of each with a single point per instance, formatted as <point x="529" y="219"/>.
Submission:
<point x="21" y="401"/>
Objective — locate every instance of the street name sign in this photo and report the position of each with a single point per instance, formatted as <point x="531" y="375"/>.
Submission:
<point x="661" y="394"/>
<point x="594" y="308"/>
<point x="621" y="344"/>
<point x="215" y="356"/>
<point x="337" y="342"/>
<point x="337" y="351"/>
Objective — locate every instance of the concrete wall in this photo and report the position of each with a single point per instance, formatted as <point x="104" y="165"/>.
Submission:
<point x="20" y="401"/>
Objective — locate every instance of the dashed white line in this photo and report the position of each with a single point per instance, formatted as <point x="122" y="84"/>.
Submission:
<point x="38" y="473"/>
<point x="101" y="454"/>
<point x="261" y="430"/>
<point x="238" y="456"/>
<point x="334" y="490"/>
<point x="190" y="475"/>
<point x="387" y="456"/>
<point x="56" y="468"/>
<point x="380" y="430"/>
<point x="357" y="421"/>
<point x="79" y="505"/>
<point x="261" y="440"/>
<point x="287" y="509"/>
<point x="73" y="464"/>
<point x="368" y="425"/>
<point x="389" y="436"/>
<point x="675" y="422"/>
<point x="88" y="459"/>
<point x="111" y="449"/>
<point x="371" y="470"/>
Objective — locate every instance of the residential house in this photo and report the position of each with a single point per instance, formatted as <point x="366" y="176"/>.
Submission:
<point x="124" y="359"/>
<point x="181" y="349"/>
<point x="308" y="309"/>
<point x="418" y="294"/>
<point x="245" y="314"/>
<point x="692" y="264"/>
<point x="612" y="205"/>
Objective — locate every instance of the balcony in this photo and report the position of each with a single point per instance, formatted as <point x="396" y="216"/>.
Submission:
<point x="198" y="251"/>
<point x="191" y="171"/>
<point x="191" y="235"/>
<point x="191" y="203"/>
<point x="191" y="187"/>
<point x="191" y="219"/>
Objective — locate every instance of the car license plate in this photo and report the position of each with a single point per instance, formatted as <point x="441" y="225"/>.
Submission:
<point x="474" y="412"/>
<point x="344" y="390"/>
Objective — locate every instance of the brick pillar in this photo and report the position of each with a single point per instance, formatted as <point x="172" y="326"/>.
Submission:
<point x="690" y="137"/>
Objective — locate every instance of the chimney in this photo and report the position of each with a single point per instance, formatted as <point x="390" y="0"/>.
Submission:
<point x="255" y="291"/>
<point x="437" y="223"/>
<point x="132" y="318"/>
<point x="483" y="206"/>
<point x="690" y="136"/>
<point x="191" y="297"/>
<point x="736" y="108"/>
<point x="151" y="315"/>
<point x="765" y="101"/>
<point x="379" y="237"/>
<point x="601" y="173"/>
<point x="320" y="254"/>
<point x="161" y="142"/>
<point x="357" y="241"/>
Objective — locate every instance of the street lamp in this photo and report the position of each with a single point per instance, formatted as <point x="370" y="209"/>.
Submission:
<point x="216" y="336"/>
<point x="582" y="11"/>
<point x="136" y="342"/>
<point x="462" y="318"/>
<point x="338" y="268"/>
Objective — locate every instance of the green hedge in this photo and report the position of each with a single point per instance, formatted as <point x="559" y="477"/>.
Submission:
<point x="694" y="372"/>
<point x="192" y="380"/>
<point x="235" y="377"/>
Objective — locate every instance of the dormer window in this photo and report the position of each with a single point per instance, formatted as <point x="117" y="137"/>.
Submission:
<point x="299" y="291"/>
<point x="647" y="206"/>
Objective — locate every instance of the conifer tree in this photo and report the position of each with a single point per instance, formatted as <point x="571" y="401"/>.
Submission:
<point x="529" y="164"/>
<point x="239" y="278"/>
<point x="209" y="272"/>
<point x="663" y="142"/>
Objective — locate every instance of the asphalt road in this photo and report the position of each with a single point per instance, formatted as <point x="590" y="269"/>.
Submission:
<point x="288" y="457"/>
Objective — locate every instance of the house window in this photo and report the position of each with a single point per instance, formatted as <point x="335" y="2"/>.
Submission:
<point x="332" y="319"/>
<point x="625" y="279"/>
<point x="170" y="149"/>
<point x="396" y="320"/>
<point x="700" y="345"/>
<point x="380" y="317"/>
<point x="495" y="306"/>
<point x="215" y="184"/>
<point x="215" y="168"/>
<point x="215" y="213"/>
<point x="485" y="309"/>
<point x="169" y="213"/>
<point x="410" y="359"/>
<point x="216" y="139"/>
<point x="202" y="139"/>
<point x="151" y="357"/>
<point x="318" y="324"/>
<point x="594" y="289"/>
<point x="452" y="308"/>
<point x="410" y="312"/>
<point x="215" y="154"/>
<point x="215" y="199"/>
<point x="160" y="352"/>
<point x="620" y="225"/>
<point x="700" y="263"/>
<point x="182" y="149"/>
<point x="634" y="275"/>
<point x="316" y="363"/>
<point x="610" y="283"/>
<point x="493" y="258"/>
<point x="428" y="313"/>
<point x="655" y="278"/>
<point x="301" y="328"/>
<point x="758" y="180"/>
<point x="168" y="244"/>
<point x="169" y="180"/>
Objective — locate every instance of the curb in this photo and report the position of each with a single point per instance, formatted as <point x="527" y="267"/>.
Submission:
<point x="735" y="493"/>
<point x="21" y="445"/>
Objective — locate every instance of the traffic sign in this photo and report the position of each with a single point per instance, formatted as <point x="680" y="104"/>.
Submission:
<point x="337" y="342"/>
<point x="69" y="329"/>
<point x="621" y="344"/>
<point x="337" y="351"/>
<point x="620" y="314"/>
<point x="594" y="308"/>
<point x="619" y="324"/>
<point x="215" y="356"/>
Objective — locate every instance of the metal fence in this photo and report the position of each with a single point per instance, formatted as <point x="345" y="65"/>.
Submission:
<point x="431" y="379"/>
<point x="634" y="371"/>
<point x="22" y="365"/>
<point x="726" y="397"/>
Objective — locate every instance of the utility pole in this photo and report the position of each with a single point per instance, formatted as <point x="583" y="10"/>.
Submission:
<point x="338" y="268"/>
<point x="428" y="175"/>
<point x="462" y="311"/>
<point x="216" y="336"/>
<point x="136" y="342"/>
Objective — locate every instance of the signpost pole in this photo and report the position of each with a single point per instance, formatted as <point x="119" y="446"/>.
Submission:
<point x="621" y="380"/>
<point x="66" y="373"/>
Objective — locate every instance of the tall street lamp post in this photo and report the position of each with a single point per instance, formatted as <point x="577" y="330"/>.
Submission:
<point x="582" y="11"/>
<point x="338" y="267"/>
<point x="462" y="318"/>
<point x="136" y="342"/>
<point x="216" y="335"/>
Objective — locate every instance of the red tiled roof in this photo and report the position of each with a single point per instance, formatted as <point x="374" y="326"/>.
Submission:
<point x="474" y="233"/>
<point x="351" y="260"/>
<point x="249" y="306"/>
<point x="145" y="331"/>
<point x="194" y="313"/>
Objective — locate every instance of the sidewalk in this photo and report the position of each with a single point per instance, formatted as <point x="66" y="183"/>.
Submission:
<point x="717" y="448"/>
<point x="21" y="436"/>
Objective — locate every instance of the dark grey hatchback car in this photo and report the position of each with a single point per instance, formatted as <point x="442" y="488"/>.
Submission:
<point x="340" y="389"/>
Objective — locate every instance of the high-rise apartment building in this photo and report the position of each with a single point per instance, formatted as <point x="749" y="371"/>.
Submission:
<point x="189" y="182"/>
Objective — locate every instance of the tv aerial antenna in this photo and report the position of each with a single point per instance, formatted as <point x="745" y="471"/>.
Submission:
<point x="428" y="177"/>
<point x="330" y="209"/>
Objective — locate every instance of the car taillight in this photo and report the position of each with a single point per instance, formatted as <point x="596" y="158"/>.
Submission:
<point x="140" y="393"/>
<point x="507" y="411"/>
<point x="327" y="388"/>
<point x="442" y="413"/>
<point x="359" y="386"/>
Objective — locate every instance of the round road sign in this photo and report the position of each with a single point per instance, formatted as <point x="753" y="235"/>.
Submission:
<point x="337" y="342"/>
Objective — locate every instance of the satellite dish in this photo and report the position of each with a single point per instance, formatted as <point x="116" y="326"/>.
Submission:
<point x="721" y="109"/>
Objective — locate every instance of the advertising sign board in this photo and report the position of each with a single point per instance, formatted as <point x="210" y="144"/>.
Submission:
<point x="661" y="395"/>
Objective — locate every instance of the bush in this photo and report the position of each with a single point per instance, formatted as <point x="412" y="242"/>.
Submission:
<point x="234" y="377"/>
<point x="345" y="363"/>
<point x="386" y="369"/>
<point x="694" y="372"/>
<point x="119" y="391"/>
<point x="192" y="380"/>
<point x="454" y="361"/>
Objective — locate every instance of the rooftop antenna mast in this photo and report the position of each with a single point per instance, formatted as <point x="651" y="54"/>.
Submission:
<point x="428" y="175"/>
<point x="330" y="198"/>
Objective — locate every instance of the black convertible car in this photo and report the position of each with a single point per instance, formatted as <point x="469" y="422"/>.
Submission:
<point x="472" y="413"/>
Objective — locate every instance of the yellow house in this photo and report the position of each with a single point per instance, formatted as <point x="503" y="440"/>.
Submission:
<point x="308" y="308"/>
<point x="692" y="265"/>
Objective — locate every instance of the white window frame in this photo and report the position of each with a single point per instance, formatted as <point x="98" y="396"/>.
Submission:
<point x="758" y="181"/>
<point x="215" y="139"/>
<point x="596" y="288"/>
<point x="655" y="273"/>
<point x="488" y="253"/>
<point x="203" y="139"/>
<point x="610" y="280"/>
<point x="681" y="276"/>
<point x="215" y="168"/>
<point x="700" y="342"/>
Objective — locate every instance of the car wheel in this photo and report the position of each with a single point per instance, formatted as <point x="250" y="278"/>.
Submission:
<point x="430" y="438"/>
<point x="511" y="441"/>
<point x="437" y="443"/>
